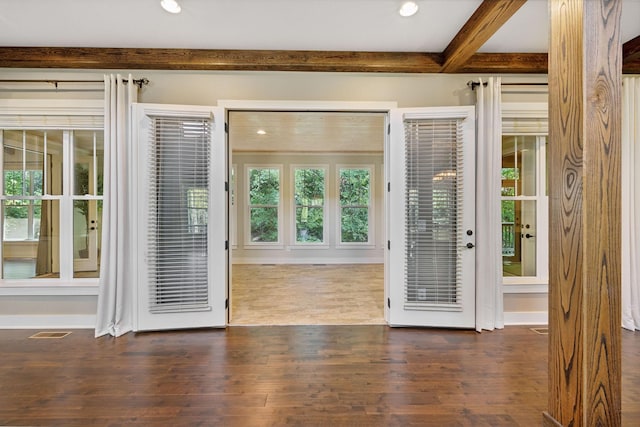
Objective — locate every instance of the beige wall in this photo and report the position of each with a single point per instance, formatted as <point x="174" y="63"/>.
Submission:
<point x="206" y="88"/>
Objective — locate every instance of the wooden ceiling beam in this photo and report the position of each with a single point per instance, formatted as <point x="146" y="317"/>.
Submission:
<point x="631" y="50"/>
<point x="496" y="63"/>
<point x="273" y="60"/>
<point x="261" y="60"/>
<point x="483" y="24"/>
<point x="631" y="67"/>
<point x="208" y="59"/>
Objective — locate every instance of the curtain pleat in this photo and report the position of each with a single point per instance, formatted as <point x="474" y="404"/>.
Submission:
<point x="115" y="308"/>
<point x="489" y="299"/>
<point x="631" y="203"/>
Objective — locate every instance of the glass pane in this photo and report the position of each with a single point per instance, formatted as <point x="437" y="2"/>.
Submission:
<point x="31" y="239"/>
<point x="309" y="227"/>
<point x="354" y="187"/>
<point x="53" y="173"/>
<point x="519" y="237"/>
<point x="519" y="166"/>
<point x="16" y="220"/>
<point x="354" y="223"/>
<point x="264" y="186"/>
<point x="18" y="160"/>
<point x="508" y="228"/>
<point x="23" y="162"/>
<point x="444" y="206"/>
<point x="309" y="187"/>
<point x="87" y="234"/>
<point x="198" y="210"/>
<point x="88" y="155"/>
<point x="264" y="224"/>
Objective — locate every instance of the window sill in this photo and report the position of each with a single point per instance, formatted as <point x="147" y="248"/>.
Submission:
<point x="72" y="288"/>
<point x="304" y="246"/>
<point x="530" y="287"/>
<point x="269" y="246"/>
<point x="356" y="246"/>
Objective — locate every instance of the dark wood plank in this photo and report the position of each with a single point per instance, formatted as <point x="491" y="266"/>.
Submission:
<point x="584" y="268"/>
<point x="631" y="67"/>
<point x="485" y="21"/>
<point x="291" y="375"/>
<point x="631" y="50"/>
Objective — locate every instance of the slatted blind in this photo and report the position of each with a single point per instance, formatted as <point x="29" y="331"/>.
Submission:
<point x="525" y="126"/>
<point x="433" y="178"/>
<point x="178" y="211"/>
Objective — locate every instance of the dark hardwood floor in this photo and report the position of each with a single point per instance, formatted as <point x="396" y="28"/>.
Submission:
<point x="286" y="375"/>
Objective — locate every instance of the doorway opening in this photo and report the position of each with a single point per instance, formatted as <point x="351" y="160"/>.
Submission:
<point x="307" y="217"/>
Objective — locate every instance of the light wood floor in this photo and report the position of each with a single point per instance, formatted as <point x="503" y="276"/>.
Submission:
<point x="329" y="294"/>
<point x="287" y="376"/>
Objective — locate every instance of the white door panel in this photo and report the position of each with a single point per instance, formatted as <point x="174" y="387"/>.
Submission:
<point x="432" y="217"/>
<point x="179" y="163"/>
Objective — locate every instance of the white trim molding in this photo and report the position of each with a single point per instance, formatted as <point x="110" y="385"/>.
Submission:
<point x="513" y="318"/>
<point x="49" y="321"/>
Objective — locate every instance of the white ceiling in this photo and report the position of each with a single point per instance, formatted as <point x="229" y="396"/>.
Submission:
<point x="306" y="131"/>
<point x="361" y="25"/>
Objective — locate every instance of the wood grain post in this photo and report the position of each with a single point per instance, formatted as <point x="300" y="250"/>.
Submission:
<point x="585" y="81"/>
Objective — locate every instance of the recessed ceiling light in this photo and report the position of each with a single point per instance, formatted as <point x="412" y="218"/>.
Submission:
<point x="261" y="132"/>
<point x="408" y="8"/>
<point x="171" y="6"/>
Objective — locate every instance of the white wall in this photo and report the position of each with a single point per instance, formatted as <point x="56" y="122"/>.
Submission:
<point x="206" y="88"/>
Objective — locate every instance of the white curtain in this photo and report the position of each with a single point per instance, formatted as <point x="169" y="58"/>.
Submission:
<point x="489" y="302"/>
<point x="115" y="308"/>
<point x="631" y="203"/>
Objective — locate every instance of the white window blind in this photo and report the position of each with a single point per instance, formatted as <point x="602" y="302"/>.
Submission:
<point x="525" y="118"/>
<point x="433" y="178"/>
<point x="178" y="204"/>
<point x="525" y="126"/>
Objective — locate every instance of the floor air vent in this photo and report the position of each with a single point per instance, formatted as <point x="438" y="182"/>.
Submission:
<point x="49" y="335"/>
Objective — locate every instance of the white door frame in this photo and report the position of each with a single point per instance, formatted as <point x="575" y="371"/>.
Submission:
<point x="342" y="106"/>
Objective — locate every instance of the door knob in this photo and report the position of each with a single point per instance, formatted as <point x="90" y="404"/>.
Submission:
<point x="470" y="245"/>
<point x="528" y="236"/>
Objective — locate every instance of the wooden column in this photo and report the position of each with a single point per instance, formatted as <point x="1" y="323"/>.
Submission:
<point x="585" y="81"/>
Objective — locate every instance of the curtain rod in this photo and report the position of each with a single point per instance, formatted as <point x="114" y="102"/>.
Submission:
<point x="138" y="82"/>
<point x="473" y="84"/>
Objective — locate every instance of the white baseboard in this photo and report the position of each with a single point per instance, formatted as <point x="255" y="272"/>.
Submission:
<point x="264" y="260"/>
<point x="526" y="318"/>
<point x="63" y="321"/>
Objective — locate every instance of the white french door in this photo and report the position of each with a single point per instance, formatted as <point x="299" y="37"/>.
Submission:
<point x="431" y="166"/>
<point x="181" y="225"/>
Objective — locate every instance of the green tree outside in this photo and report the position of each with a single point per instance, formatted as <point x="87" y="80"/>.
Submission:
<point x="264" y="199"/>
<point x="309" y="199"/>
<point x="355" y="188"/>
